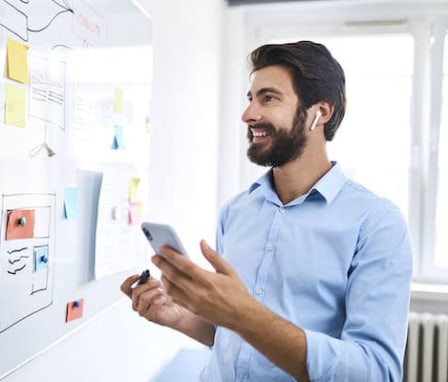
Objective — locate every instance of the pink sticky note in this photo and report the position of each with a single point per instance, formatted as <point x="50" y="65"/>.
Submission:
<point x="133" y="213"/>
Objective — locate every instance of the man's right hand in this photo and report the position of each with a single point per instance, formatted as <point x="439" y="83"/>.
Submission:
<point x="152" y="302"/>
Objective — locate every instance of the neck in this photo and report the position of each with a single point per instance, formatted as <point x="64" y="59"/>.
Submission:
<point x="296" y="177"/>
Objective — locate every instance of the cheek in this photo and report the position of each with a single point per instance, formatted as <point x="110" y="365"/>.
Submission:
<point x="292" y="116"/>
<point x="300" y="119"/>
<point x="284" y="123"/>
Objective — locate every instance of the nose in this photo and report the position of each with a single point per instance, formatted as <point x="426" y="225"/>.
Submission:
<point x="251" y="114"/>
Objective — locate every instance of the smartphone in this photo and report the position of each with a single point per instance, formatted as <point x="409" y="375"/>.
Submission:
<point x="160" y="235"/>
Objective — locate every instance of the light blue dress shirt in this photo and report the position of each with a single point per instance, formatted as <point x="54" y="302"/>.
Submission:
<point x="335" y="262"/>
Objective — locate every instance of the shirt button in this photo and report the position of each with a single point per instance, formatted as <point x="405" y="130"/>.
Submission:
<point x="269" y="247"/>
<point x="258" y="291"/>
<point x="282" y="210"/>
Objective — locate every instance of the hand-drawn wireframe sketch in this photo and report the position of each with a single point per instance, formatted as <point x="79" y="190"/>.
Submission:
<point x="85" y="22"/>
<point x="26" y="256"/>
<point x="16" y="19"/>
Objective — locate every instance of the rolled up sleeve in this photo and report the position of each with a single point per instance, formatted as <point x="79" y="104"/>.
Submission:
<point x="372" y="342"/>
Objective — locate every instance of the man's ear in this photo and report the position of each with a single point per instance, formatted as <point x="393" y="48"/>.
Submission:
<point x="322" y="114"/>
<point x="326" y="110"/>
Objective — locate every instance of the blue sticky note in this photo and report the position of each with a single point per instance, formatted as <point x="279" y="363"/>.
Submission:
<point x="40" y="257"/>
<point x="71" y="203"/>
<point x="118" y="142"/>
<point x="114" y="144"/>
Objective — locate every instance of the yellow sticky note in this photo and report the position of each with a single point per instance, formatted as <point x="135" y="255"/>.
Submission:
<point x="133" y="187"/>
<point x="118" y="100"/>
<point x="147" y="124"/>
<point x="17" y="61"/>
<point x="15" y="106"/>
<point x="140" y="208"/>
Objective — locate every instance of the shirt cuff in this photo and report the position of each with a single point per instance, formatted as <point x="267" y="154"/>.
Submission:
<point x="322" y="355"/>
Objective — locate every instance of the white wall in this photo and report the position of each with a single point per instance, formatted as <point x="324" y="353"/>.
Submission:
<point x="118" y="345"/>
<point x="183" y="157"/>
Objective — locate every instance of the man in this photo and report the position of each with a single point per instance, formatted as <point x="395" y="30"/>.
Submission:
<point x="313" y="274"/>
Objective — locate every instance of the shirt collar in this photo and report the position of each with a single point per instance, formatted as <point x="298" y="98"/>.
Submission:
<point x="331" y="183"/>
<point x="328" y="186"/>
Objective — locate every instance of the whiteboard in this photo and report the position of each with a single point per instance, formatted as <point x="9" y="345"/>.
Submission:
<point x="75" y="92"/>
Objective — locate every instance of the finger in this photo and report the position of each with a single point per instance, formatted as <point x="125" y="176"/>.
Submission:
<point x="126" y="286"/>
<point x="149" y="289"/>
<point x="175" y="274"/>
<point x="177" y="294"/>
<point x="147" y="299"/>
<point x="220" y="265"/>
<point x="151" y="283"/>
<point x="178" y="260"/>
<point x="166" y="284"/>
<point x="160" y="300"/>
<point x="183" y="264"/>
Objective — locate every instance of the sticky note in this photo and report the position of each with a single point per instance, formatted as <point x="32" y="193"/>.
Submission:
<point x="133" y="213"/>
<point x="16" y="61"/>
<point x="133" y="187"/>
<point x="140" y="208"/>
<point x="15" y="106"/>
<point x="75" y="310"/>
<point x="118" y="100"/>
<point x="20" y="224"/>
<point x="147" y="124"/>
<point x="118" y="142"/>
<point x="40" y="254"/>
<point x="70" y="203"/>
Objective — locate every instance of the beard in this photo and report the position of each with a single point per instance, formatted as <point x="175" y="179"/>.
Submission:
<point x="286" y="145"/>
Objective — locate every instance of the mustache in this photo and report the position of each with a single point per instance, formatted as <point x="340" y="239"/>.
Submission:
<point x="269" y="127"/>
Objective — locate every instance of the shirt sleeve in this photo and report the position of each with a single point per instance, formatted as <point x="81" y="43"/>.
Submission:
<point x="372" y="342"/>
<point x="223" y="213"/>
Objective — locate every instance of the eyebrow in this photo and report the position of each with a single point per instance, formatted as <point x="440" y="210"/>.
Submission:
<point x="264" y="91"/>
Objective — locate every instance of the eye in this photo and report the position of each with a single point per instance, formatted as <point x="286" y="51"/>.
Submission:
<point x="268" y="98"/>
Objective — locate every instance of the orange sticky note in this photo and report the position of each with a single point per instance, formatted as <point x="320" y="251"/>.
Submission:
<point x="75" y="310"/>
<point x="20" y="224"/>
<point x="17" y="61"/>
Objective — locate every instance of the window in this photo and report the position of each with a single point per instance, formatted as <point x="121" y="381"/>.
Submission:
<point x="441" y="239"/>
<point x="372" y="144"/>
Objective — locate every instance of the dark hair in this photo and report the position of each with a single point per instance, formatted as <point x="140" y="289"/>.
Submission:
<point x="316" y="74"/>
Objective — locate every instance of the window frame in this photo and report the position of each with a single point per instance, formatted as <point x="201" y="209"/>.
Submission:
<point x="428" y="271"/>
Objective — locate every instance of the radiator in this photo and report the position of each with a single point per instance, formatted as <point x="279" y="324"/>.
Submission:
<point x="426" y="356"/>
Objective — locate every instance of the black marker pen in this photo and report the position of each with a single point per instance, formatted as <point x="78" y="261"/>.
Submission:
<point x="144" y="277"/>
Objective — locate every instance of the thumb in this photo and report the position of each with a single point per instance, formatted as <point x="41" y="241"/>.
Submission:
<point x="220" y="265"/>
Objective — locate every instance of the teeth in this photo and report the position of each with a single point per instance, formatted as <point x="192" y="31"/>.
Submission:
<point x="259" y="133"/>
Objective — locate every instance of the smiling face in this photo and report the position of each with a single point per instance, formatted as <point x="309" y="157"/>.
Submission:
<point x="275" y="120"/>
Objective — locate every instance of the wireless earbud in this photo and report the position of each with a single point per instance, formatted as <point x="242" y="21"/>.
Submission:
<point x="315" y="120"/>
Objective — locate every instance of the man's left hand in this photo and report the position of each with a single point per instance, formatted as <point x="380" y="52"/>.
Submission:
<point x="218" y="297"/>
